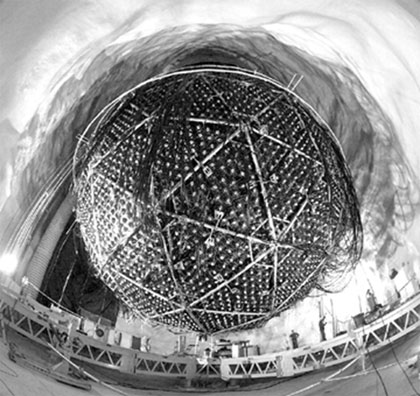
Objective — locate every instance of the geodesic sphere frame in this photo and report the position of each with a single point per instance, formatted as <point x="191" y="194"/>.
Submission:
<point x="212" y="199"/>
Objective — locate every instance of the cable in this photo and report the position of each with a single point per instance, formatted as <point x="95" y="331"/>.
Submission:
<point x="360" y="373"/>
<point x="7" y="387"/>
<point x="11" y="372"/>
<point x="390" y="342"/>
<point x="402" y="369"/>
<point x="80" y="369"/>
<point x="53" y="301"/>
<point x="394" y="353"/>
<point x="376" y="370"/>
<point x="369" y="354"/>
<point x="315" y="384"/>
<point x="326" y="379"/>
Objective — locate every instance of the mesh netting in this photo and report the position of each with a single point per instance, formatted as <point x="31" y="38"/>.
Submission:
<point x="213" y="199"/>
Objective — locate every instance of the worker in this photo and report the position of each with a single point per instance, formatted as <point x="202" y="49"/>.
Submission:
<point x="321" y="324"/>
<point x="294" y="338"/>
<point x="371" y="301"/>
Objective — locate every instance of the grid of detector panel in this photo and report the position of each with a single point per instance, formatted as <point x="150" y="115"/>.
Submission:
<point x="235" y="171"/>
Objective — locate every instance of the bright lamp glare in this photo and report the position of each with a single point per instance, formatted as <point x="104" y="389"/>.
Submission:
<point x="8" y="264"/>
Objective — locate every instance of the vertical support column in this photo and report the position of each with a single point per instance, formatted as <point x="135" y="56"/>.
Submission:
<point x="361" y="363"/>
<point x="418" y="365"/>
<point x="191" y="370"/>
<point x="182" y="342"/>
<point x="334" y="319"/>
<point x="284" y="365"/>
<point x="321" y="307"/>
<point x="224" y="370"/>
<point x="358" y="340"/>
<point x="2" y="328"/>
<point x="128" y="362"/>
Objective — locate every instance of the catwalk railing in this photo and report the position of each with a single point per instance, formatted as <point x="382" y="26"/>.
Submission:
<point x="33" y="320"/>
<point x="382" y="332"/>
